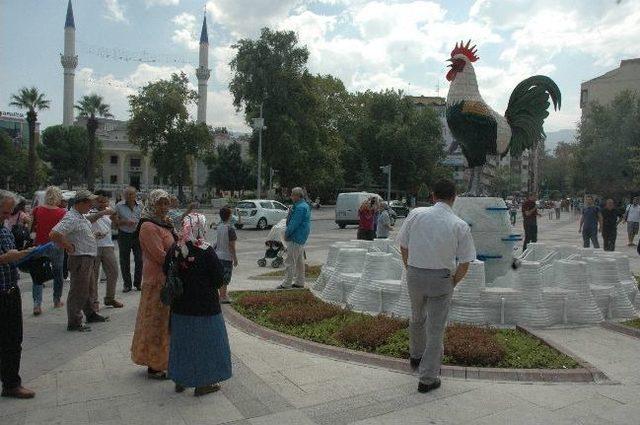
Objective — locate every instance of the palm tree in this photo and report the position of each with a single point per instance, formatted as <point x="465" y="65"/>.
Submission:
<point x="92" y="106"/>
<point x="33" y="101"/>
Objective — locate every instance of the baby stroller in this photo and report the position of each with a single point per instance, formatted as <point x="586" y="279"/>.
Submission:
<point x="275" y="246"/>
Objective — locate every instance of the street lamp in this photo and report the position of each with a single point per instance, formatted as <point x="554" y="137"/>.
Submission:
<point x="386" y="169"/>
<point x="258" y="124"/>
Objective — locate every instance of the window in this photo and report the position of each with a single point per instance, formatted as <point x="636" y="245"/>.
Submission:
<point x="279" y="206"/>
<point x="266" y="205"/>
<point x="245" y="205"/>
<point x="584" y="98"/>
<point x="113" y="179"/>
<point x="113" y="159"/>
<point x="134" y="162"/>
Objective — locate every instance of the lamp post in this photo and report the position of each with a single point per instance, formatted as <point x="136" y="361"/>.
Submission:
<point x="258" y="124"/>
<point x="386" y="169"/>
<point x="271" y="173"/>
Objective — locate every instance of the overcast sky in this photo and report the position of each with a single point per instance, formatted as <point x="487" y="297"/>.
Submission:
<point x="123" y="44"/>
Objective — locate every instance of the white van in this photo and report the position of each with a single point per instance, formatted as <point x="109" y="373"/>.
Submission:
<point x="347" y="207"/>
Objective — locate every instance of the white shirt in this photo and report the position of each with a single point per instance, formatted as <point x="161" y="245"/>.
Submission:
<point x="77" y="229"/>
<point x="103" y="225"/>
<point x="436" y="238"/>
<point x="557" y="204"/>
<point x="633" y="213"/>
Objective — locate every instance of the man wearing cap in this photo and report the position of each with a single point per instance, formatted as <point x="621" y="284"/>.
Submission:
<point x="75" y="235"/>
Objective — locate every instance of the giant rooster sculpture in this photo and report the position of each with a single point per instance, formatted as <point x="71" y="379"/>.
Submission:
<point x="480" y="130"/>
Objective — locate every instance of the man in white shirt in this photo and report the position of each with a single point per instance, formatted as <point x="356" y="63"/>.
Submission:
<point x="436" y="248"/>
<point x="632" y="217"/>
<point x="106" y="254"/>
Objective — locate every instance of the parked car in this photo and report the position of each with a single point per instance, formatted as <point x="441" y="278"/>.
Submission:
<point x="399" y="208"/>
<point x="259" y="213"/>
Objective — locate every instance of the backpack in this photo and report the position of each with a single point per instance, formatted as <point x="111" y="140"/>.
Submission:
<point x="173" y="286"/>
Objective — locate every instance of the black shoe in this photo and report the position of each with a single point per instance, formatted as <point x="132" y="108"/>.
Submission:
<point x="425" y="388"/>
<point x="126" y="289"/>
<point x="415" y="363"/>
<point x="298" y="286"/>
<point x="78" y="328"/>
<point x="282" y="287"/>
<point x="179" y="388"/>
<point x="96" y="318"/>
<point x="138" y="288"/>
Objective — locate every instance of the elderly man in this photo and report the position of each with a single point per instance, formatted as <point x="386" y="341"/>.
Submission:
<point x="384" y="222"/>
<point x="128" y="215"/>
<point x="296" y="234"/>
<point x="75" y="235"/>
<point x="436" y="249"/>
<point x="10" y="307"/>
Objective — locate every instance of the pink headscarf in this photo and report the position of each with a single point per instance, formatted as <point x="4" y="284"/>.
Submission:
<point x="194" y="229"/>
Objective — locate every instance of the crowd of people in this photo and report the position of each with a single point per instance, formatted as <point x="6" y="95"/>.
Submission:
<point x="183" y="339"/>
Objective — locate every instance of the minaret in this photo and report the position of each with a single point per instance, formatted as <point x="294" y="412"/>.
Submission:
<point x="69" y="62"/>
<point x="203" y="72"/>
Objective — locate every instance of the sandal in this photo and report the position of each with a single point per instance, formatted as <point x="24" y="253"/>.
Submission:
<point x="207" y="389"/>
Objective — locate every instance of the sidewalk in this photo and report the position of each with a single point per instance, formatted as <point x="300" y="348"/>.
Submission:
<point x="90" y="379"/>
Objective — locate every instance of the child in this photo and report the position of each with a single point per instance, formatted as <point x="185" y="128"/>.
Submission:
<point x="226" y="251"/>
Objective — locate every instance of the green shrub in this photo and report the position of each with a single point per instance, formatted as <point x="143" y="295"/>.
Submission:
<point x="297" y="313"/>
<point x="472" y="346"/>
<point x="370" y="332"/>
<point x="634" y="323"/>
<point x="525" y="351"/>
<point x="396" y="346"/>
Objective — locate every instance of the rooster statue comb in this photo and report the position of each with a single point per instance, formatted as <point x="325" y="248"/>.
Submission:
<point x="481" y="131"/>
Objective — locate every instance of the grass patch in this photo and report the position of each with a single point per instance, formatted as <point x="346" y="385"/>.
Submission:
<point x="311" y="272"/>
<point x="634" y="323"/>
<point x="300" y="313"/>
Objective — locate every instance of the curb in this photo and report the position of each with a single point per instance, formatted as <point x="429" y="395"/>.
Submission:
<point x="586" y="374"/>
<point x="620" y="328"/>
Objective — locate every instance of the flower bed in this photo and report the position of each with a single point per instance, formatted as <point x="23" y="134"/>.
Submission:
<point x="634" y="323"/>
<point x="301" y="314"/>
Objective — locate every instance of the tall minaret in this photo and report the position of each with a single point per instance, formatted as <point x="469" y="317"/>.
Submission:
<point x="203" y="72"/>
<point x="69" y="62"/>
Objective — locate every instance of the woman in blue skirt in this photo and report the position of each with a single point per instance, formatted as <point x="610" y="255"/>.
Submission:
<point x="199" y="355"/>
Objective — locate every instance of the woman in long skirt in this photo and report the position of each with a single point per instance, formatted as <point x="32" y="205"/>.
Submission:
<point x="199" y="354"/>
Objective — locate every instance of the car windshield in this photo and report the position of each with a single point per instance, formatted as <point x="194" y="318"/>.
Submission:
<point x="245" y="205"/>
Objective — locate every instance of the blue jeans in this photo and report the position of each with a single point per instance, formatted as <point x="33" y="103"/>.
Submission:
<point x="56" y="256"/>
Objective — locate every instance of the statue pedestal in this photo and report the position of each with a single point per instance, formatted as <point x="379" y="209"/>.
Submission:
<point x="493" y="235"/>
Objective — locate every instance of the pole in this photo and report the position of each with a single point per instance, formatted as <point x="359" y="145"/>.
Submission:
<point x="389" y="183"/>
<point x="270" y="178"/>
<point x="259" y="188"/>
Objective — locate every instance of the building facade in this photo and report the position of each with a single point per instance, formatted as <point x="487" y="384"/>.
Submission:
<point x="15" y="125"/>
<point x="604" y="89"/>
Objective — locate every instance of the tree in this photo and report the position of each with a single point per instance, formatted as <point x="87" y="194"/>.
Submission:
<point x="606" y="156"/>
<point x="33" y="101"/>
<point x="504" y="182"/>
<point x="160" y="124"/>
<point x="227" y="169"/>
<point x="92" y="107"/>
<point x="13" y="163"/>
<point x="66" y="150"/>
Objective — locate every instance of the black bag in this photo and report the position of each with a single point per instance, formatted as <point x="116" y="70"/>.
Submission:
<point x="22" y="236"/>
<point x="39" y="268"/>
<point x="173" y="287"/>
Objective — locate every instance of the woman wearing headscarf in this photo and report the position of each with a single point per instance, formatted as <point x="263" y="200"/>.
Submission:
<point x="150" y="346"/>
<point x="199" y="356"/>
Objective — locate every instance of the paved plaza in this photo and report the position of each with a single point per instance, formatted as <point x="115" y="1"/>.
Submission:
<point x="90" y="379"/>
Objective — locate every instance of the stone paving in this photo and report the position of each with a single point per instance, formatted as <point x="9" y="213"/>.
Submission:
<point x="89" y="378"/>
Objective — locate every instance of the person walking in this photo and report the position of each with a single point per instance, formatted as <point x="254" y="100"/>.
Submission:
<point x="128" y="216"/>
<point x="530" y="216"/>
<point x="226" y="251"/>
<point x="106" y="254"/>
<point x="632" y="218"/>
<point x="589" y="221"/>
<point x="513" y="212"/>
<point x="296" y="235"/>
<point x="10" y="307"/>
<point x="366" y="219"/>
<point x="609" y="218"/>
<point x="150" y="346"/>
<point x="436" y="247"/>
<point x="45" y="217"/>
<point x="74" y="234"/>
<point x="557" y="206"/>
<point x="384" y="222"/>
<point x="199" y="355"/>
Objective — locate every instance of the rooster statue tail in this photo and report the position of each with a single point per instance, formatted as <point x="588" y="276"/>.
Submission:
<point x="527" y="109"/>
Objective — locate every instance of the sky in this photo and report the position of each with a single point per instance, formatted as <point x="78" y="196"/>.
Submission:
<point x="370" y="45"/>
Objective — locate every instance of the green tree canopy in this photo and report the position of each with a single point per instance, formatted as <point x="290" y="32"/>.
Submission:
<point x="92" y="107"/>
<point x="160" y="124"/>
<point x="227" y="169"/>
<point x="608" y="140"/>
<point x="13" y="164"/>
<point x="65" y="149"/>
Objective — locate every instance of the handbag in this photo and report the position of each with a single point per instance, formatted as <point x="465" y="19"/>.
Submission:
<point x="39" y="268"/>
<point x="22" y="236"/>
<point x="173" y="286"/>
